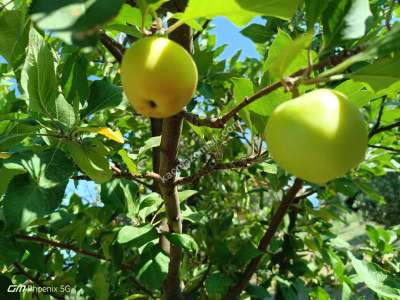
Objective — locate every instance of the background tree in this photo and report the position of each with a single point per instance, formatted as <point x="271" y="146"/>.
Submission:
<point x="193" y="206"/>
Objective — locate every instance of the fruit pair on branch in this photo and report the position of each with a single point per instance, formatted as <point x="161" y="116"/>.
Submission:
<point x="318" y="136"/>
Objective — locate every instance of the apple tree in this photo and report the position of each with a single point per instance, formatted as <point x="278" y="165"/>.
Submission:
<point x="196" y="195"/>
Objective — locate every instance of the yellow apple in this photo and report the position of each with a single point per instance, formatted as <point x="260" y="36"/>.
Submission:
<point x="318" y="136"/>
<point x="159" y="77"/>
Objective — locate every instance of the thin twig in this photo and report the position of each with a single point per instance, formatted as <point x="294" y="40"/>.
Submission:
<point x="38" y="282"/>
<point x="204" y="27"/>
<point x="219" y="122"/>
<point x="115" y="48"/>
<point x="3" y="6"/>
<point x="209" y="168"/>
<point x="127" y="175"/>
<point x="384" y="148"/>
<point x="79" y="250"/>
<point x="59" y="245"/>
<point x="276" y="220"/>
<point x="384" y="128"/>
<point x="378" y="120"/>
<point x="131" y="2"/>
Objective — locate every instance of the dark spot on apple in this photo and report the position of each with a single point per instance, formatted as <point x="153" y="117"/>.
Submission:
<point x="152" y="104"/>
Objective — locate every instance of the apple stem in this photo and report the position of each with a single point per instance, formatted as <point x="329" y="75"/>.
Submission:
<point x="174" y="26"/>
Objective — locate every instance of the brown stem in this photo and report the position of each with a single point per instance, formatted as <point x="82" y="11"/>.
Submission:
<point x="116" y="49"/>
<point x="209" y="168"/>
<point x="171" y="132"/>
<point x="276" y="220"/>
<point x="149" y="175"/>
<point x="379" y="118"/>
<point x="59" y="245"/>
<point x="198" y="33"/>
<point x="37" y="281"/>
<point x="79" y="250"/>
<point x="384" y="148"/>
<point x="219" y="122"/>
<point x="169" y="149"/>
<point x="131" y="2"/>
<point x="384" y="128"/>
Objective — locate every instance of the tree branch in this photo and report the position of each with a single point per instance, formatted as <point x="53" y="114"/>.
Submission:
<point x="37" y="281"/>
<point x="127" y="175"/>
<point x="385" y="148"/>
<point x="131" y="2"/>
<point x="116" y="49"/>
<point x="171" y="132"/>
<point x="379" y="118"/>
<point x="384" y="128"/>
<point x="207" y="169"/>
<point x="79" y="250"/>
<point x="56" y="244"/>
<point x="276" y="220"/>
<point x="198" y="33"/>
<point x="219" y="122"/>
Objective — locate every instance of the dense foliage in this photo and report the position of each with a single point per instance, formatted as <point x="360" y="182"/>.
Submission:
<point x="229" y="221"/>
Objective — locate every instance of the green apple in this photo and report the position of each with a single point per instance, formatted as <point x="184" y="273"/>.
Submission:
<point x="159" y="77"/>
<point x="318" y="136"/>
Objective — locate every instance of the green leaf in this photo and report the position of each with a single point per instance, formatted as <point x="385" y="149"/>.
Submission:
<point x="34" y="257"/>
<point x="101" y="283"/>
<point x="10" y="251"/>
<point x="13" y="133"/>
<point x="152" y="142"/>
<point x="246" y="252"/>
<point x="239" y="11"/>
<point x="280" y="66"/>
<point x="269" y="168"/>
<point x="63" y="112"/>
<point x="149" y="204"/>
<point x="381" y="283"/>
<point x="130" y="164"/>
<point x="91" y="159"/>
<point x="357" y="92"/>
<point x="183" y="241"/>
<point x="14" y="29"/>
<point x="153" y="266"/>
<point x="218" y="284"/>
<point x="184" y="195"/>
<point x="103" y="95"/>
<point x="267" y="104"/>
<point x="366" y="188"/>
<point x="7" y="175"/>
<point x="25" y="201"/>
<point x="345" y="20"/>
<point x="139" y="235"/>
<point x="82" y="18"/>
<point x="320" y="294"/>
<point x="257" y="33"/>
<point x="38" y="78"/>
<point x="132" y="16"/>
<point x="47" y="169"/>
<point x="286" y="56"/>
<point x="314" y="9"/>
<point x="242" y="88"/>
<point x="74" y="78"/>
<point x="379" y="75"/>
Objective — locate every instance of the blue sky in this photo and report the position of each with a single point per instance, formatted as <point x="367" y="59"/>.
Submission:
<point x="229" y="34"/>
